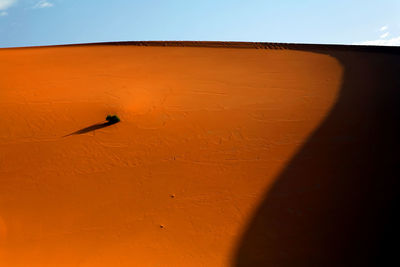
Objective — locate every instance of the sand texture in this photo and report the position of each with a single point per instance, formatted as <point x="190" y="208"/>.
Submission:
<point x="227" y="154"/>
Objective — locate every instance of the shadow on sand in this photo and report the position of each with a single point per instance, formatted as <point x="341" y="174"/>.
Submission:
<point x="92" y="128"/>
<point x="336" y="202"/>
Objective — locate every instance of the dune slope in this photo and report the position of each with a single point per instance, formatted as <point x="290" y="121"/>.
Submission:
<point x="226" y="154"/>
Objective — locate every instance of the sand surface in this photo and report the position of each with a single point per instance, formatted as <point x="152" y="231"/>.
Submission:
<point x="187" y="177"/>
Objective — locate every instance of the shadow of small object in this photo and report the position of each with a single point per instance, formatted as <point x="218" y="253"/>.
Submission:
<point x="110" y="121"/>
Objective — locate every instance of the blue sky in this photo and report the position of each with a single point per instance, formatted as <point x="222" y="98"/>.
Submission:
<point x="49" y="22"/>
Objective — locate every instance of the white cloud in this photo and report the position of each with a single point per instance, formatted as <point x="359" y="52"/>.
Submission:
<point x="388" y="42"/>
<point x="5" y="4"/>
<point x="383" y="28"/>
<point x="383" y="40"/>
<point x="43" y="4"/>
<point x="3" y="13"/>
<point x="386" y="34"/>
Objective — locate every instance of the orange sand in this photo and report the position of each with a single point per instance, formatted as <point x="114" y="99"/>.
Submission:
<point x="205" y="133"/>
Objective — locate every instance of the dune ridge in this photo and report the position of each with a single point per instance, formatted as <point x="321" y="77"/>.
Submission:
<point x="240" y="45"/>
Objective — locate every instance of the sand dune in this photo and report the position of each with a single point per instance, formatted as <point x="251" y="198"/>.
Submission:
<point x="227" y="154"/>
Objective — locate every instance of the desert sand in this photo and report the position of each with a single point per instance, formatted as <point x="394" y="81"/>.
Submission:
<point x="227" y="154"/>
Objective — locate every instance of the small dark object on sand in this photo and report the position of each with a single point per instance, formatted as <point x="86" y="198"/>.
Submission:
<point x="112" y="119"/>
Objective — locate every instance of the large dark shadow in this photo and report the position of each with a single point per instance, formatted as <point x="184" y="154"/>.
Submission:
<point x="335" y="204"/>
<point x="92" y="128"/>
